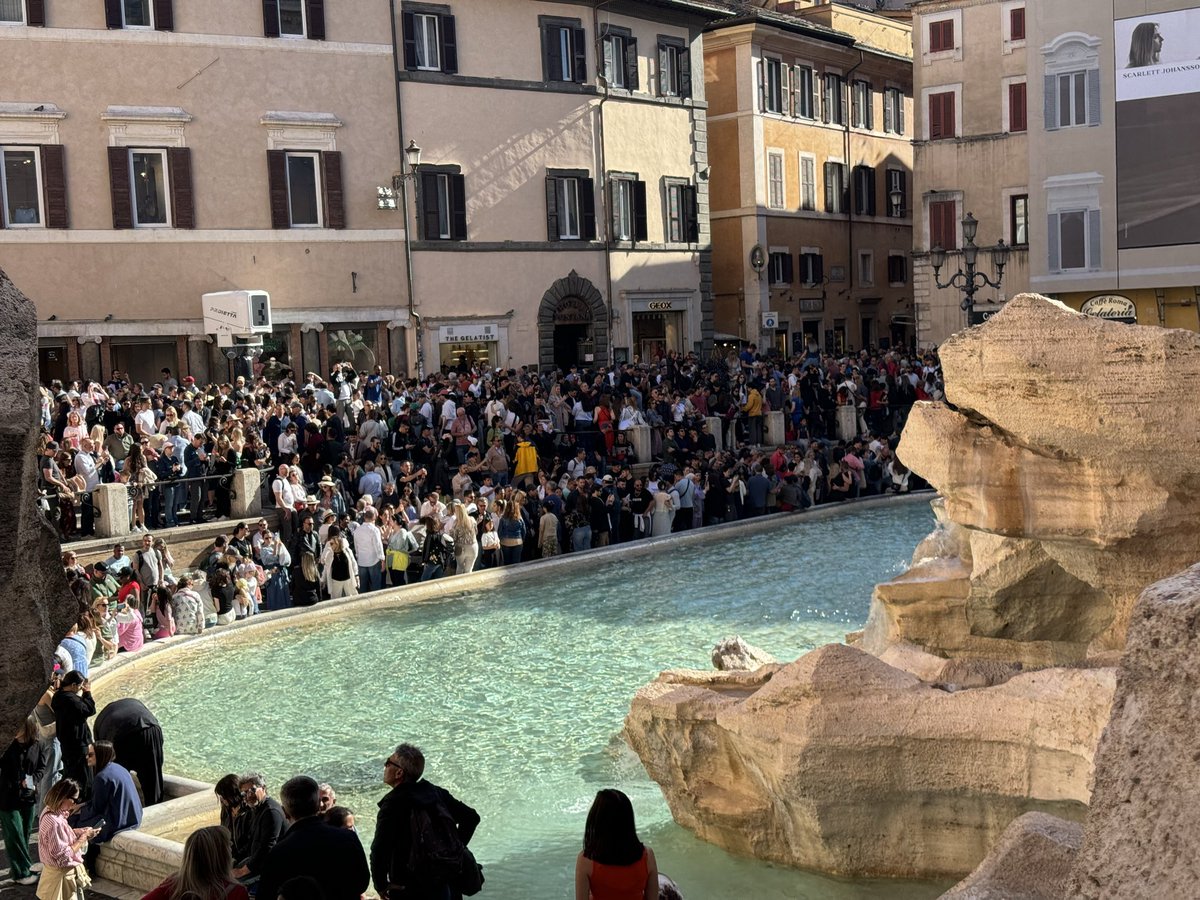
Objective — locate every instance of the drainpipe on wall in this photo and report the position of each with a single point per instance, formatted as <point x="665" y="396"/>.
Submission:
<point x="604" y="191"/>
<point x="404" y="179"/>
<point x="850" y="260"/>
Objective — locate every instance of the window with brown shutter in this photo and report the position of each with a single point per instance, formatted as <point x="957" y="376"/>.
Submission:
<point x="164" y="15"/>
<point x="35" y="13"/>
<point x="122" y="194"/>
<point x="183" y="202"/>
<point x="331" y="179"/>
<point x="1016" y="23"/>
<point x="314" y="14"/>
<point x="943" y="224"/>
<point x="1016" y="107"/>
<point x="941" y="115"/>
<point x="277" y="188"/>
<point x="941" y="36"/>
<point x="54" y="186"/>
<point x="271" y="21"/>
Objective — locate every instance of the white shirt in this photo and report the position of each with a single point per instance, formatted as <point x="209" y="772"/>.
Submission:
<point x="145" y="422"/>
<point x="85" y="466"/>
<point x="368" y="545"/>
<point x="285" y="497"/>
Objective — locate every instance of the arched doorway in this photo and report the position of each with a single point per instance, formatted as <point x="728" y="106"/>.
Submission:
<point x="572" y="325"/>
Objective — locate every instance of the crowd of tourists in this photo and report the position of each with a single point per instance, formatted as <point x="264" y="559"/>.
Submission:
<point x="489" y="438"/>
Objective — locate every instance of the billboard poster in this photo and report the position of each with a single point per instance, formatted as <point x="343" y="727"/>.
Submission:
<point x="1158" y="129"/>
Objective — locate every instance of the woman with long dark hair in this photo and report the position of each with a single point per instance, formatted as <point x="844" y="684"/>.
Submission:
<point x="21" y="769"/>
<point x="206" y="872"/>
<point x="1145" y="46"/>
<point x="614" y="864"/>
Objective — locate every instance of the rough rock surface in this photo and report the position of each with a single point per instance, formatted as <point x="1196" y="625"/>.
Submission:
<point x="843" y="763"/>
<point x="1045" y="410"/>
<point x="1143" y="828"/>
<point x="733" y="653"/>
<point x="37" y="605"/>
<point x="1030" y="862"/>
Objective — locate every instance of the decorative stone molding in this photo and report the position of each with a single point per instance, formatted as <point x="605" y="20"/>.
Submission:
<point x="306" y="327"/>
<point x="30" y="123"/>
<point x="154" y="126"/>
<point x="301" y="130"/>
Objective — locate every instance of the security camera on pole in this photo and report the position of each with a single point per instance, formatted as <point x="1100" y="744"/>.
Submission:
<point x="239" y="319"/>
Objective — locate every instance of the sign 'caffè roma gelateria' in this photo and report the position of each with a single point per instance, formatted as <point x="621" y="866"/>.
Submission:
<point x="1111" y="306"/>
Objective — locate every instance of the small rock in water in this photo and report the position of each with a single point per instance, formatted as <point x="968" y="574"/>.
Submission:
<point x="734" y="655"/>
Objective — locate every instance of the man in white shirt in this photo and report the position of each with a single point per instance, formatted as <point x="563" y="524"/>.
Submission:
<point x="87" y="469"/>
<point x="285" y="503"/>
<point x="432" y="507"/>
<point x="368" y="548"/>
<point x="144" y="421"/>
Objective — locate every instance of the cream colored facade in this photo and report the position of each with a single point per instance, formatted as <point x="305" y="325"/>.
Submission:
<point x="835" y="267"/>
<point x="130" y="298"/>
<point x="1077" y="167"/>
<point x="983" y="167"/>
<point x="507" y="126"/>
<point x="216" y="94"/>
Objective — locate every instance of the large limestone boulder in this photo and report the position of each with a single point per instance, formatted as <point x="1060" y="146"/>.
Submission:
<point x="1031" y="861"/>
<point x="842" y="763"/>
<point x="1142" y="831"/>
<point x="733" y="653"/>
<point x="1142" y="837"/>
<point x="1058" y="450"/>
<point x="36" y="605"/>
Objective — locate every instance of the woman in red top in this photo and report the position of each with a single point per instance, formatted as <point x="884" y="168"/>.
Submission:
<point x="614" y="864"/>
<point x="206" y="872"/>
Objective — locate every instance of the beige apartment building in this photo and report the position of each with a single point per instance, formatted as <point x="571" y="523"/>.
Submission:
<point x="971" y="153"/>
<point x="1115" y="158"/>
<point x="156" y="151"/>
<point x="1093" y="181"/>
<point x="810" y="135"/>
<point x="562" y="195"/>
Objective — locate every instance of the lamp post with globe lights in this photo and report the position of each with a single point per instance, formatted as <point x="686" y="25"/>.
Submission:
<point x="968" y="279"/>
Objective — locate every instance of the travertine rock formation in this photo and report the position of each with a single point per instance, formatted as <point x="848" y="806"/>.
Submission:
<point x="35" y="604"/>
<point x="733" y="653"/>
<point x="1143" y="830"/>
<point x="1058" y="451"/>
<point x="1141" y="833"/>
<point x="843" y="763"/>
<point x="1031" y="861"/>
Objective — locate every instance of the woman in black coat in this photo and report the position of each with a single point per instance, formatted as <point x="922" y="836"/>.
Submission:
<point x="73" y="706"/>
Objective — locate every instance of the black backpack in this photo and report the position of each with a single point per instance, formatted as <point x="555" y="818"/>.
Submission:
<point x="437" y="853"/>
<point x="339" y="567"/>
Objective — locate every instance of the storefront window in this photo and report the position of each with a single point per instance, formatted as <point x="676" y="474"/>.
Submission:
<point x="468" y="355"/>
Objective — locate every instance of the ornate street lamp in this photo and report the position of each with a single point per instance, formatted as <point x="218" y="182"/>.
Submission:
<point x="968" y="279"/>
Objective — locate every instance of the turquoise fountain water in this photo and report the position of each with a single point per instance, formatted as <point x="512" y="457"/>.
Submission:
<point x="517" y="694"/>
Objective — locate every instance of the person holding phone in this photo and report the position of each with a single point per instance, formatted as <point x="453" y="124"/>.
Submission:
<point x="60" y="846"/>
<point x="114" y="805"/>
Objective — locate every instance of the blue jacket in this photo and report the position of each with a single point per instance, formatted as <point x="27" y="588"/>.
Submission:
<point x="114" y="799"/>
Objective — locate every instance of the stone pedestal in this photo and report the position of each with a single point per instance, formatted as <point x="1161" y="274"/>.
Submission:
<point x="773" y="425"/>
<point x="247" y="498"/>
<point x="717" y="431"/>
<point x="639" y="437"/>
<point x="847" y="423"/>
<point x="112" y="503"/>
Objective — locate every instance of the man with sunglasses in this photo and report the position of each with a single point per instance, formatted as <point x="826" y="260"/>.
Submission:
<point x="266" y="826"/>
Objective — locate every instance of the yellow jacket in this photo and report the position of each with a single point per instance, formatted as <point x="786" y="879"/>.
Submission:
<point x="754" y="402"/>
<point x="527" y="461"/>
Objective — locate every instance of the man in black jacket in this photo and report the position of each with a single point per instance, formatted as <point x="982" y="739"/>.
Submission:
<point x="266" y="826"/>
<point x="393" y="832"/>
<point x="333" y="857"/>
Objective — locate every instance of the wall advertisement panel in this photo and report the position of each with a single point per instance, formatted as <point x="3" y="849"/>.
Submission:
<point x="1158" y="129"/>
